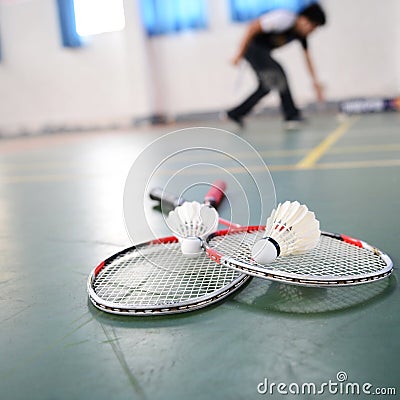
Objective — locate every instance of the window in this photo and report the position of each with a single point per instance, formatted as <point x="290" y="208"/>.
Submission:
<point x="169" y="16"/>
<point x="245" y="10"/>
<point x="99" y="16"/>
<point x="88" y="17"/>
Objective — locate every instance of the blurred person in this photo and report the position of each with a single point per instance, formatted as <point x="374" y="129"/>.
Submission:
<point x="265" y="34"/>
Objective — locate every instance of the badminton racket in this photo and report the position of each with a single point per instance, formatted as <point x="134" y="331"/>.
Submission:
<point x="337" y="260"/>
<point x="155" y="278"/>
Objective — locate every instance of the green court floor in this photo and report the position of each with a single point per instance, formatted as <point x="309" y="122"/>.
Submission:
<point x="61" y="214"/>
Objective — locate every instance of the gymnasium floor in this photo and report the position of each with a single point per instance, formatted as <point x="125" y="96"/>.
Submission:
<point x="61" y="213"/>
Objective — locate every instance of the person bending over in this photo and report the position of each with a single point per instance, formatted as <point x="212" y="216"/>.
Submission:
<point x="265" y="34"/>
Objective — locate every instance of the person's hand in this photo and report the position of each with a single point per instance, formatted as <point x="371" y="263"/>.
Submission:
<point x="236" y="59"/>
<point x="319" y="91"/>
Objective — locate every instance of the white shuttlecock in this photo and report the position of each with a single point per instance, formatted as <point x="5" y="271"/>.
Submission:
<point x="191" y="223"/>
<point x="291" y="229"/>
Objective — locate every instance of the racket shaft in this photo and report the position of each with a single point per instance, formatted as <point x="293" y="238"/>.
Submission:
<point x="213" y="197"/>
<point x="167" y="200"/>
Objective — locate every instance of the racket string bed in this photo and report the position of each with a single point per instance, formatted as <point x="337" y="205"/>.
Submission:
<point x="133" y="279"/>
<point x="328" y="263"/>
<point x="157" y="278"/>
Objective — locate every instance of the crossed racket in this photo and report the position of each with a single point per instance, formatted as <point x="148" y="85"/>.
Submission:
<point x="155" y="278"/>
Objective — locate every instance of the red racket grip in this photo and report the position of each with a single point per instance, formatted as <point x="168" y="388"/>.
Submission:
<point x="216" y="193"/>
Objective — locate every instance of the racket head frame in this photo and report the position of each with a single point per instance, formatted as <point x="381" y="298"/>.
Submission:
<point x="158" y="309"/>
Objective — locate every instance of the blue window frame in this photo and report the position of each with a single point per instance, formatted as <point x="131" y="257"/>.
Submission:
<point x="245" y="10"/>
<point x="66" y="14"/>
<point x="88" y="17"/>
<point x="161" y="17"/>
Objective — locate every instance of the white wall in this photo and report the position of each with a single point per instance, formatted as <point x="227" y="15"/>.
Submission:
<point x="124" y="75"/>
<point x="357" y="50"/>
<point x="44" y="84"/>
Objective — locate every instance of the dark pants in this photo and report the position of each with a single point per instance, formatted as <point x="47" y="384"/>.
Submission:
<point x="270" y="75"/>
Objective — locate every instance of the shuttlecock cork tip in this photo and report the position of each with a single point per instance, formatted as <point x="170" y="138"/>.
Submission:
<point x="191" y="247"/>
<point x="265" y="251"/>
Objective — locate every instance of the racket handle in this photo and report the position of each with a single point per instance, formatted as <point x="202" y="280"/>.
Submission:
<point x="216" y="193"/>
<point x="167" y="200"/>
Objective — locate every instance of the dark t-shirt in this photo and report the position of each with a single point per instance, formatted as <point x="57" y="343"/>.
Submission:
<point x="273" y="40"/>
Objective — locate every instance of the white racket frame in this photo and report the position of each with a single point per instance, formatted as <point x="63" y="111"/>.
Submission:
<point x="159" y="309"/>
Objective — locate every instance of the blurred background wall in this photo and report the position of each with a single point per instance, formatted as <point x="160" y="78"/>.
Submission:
<point x="119" y="77"/>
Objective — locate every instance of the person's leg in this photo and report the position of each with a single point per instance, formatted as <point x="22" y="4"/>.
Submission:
<point x="289" y="109"/>
<point x="255" y="55"/>
<point x="275" y="77"/>
<point x="245" y="107"/>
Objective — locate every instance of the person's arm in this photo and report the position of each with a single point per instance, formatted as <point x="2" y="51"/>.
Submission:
<point x="253" y="29"/>
<point x="317" y="86"/>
